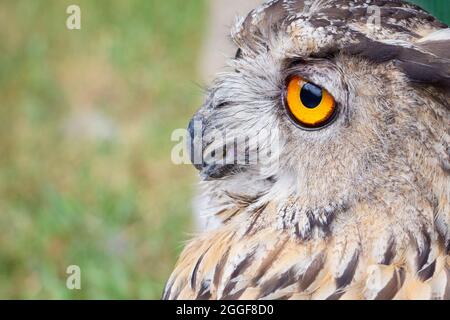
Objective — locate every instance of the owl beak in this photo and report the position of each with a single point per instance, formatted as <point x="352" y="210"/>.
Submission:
<point x="195" y="143"/>
<point x="197" y="147"/>
<point x="214" y="172"/>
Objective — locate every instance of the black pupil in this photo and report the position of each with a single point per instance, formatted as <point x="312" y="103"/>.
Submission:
<point x="311" y="95"/>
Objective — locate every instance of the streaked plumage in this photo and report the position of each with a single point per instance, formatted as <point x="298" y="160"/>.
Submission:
<point x="357" y="210"/>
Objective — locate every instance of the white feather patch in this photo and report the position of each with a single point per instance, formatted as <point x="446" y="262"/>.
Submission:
<point x="440" y="35"/>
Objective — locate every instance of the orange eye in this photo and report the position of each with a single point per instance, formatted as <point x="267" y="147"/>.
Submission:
<point x="309" y="105"/>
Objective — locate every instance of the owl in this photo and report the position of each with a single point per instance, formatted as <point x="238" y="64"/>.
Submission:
<point x="339" y="187"/>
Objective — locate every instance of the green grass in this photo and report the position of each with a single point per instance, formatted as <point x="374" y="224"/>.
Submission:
<point x="111" y="203"/>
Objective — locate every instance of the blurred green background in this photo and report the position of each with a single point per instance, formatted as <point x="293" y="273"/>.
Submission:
<point x="440" y="8"/>
<point x="86" y="118"/>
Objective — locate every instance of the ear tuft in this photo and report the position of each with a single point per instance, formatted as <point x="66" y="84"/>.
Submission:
<point x="426" y="61"/>
<point x="430" y="61"/>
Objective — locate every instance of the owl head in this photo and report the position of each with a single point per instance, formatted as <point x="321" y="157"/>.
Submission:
<point x="328" y="104"/>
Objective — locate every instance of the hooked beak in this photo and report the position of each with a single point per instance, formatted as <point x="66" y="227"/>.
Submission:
<point x="197" y="146"/>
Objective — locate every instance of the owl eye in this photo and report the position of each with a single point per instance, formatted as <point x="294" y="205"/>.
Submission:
<point x="308" y="105"/>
